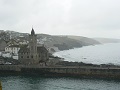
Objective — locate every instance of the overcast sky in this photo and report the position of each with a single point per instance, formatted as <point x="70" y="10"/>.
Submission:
<point x="90" y="18"/>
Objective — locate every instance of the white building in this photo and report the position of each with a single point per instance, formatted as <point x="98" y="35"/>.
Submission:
<point x="12" y="49"/>
<point x="23" y="42"/>
<point x="5" y="54"/>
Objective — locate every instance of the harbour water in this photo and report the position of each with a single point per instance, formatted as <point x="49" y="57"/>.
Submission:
<point x="58" y="83"/>
<point x="98" y="54"/>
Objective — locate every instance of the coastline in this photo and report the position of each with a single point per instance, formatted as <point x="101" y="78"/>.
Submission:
<point x="98" y="54"/>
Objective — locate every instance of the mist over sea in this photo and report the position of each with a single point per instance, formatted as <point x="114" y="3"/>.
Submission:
<point x="95" y="54"/>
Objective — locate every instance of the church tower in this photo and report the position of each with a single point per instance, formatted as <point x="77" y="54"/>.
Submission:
<point x="32" y="54"/>
<point x="33" y="46"/>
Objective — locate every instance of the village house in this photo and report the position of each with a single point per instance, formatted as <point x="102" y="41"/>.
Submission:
<point x="5" y="44"/>
<point x="22" y="40"/>
<point x="13" y="49"/>
<point x="32" y="53"/>
<point x="12" y="42"/>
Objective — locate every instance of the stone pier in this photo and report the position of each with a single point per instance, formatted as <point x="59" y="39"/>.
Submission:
<point x="63" y="71"/>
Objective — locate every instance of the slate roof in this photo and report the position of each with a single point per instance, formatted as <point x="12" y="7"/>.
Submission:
<point x="2" y="40"/>
<point x="41" y="49"/>
<point x="26" y="49"/>
<point x="14" y="46"/>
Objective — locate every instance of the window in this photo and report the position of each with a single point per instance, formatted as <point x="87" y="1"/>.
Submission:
<point x="21" y="56"/>
<point x="31" y="47"/>
<point x="32" y="56"/>
<point x="27" y="56"/>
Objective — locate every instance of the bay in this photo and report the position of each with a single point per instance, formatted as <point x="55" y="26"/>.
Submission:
<point x="97" y="54"/>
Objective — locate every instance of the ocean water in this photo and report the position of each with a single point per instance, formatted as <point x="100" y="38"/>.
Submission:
<point x="58" y="83"/>
<point x="97" y="54"/>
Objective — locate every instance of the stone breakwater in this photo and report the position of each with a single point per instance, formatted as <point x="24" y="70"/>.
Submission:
<point x="96" y="72"/>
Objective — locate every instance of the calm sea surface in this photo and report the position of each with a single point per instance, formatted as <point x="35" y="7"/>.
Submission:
<point x="98" y="54"/>
<point x="40" y="83"/>
<point x="107" y="53"/>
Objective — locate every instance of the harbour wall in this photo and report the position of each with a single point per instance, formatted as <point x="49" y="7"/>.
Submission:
<point x="97" y="72"/>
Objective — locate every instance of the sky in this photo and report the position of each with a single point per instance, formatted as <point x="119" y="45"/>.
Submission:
<point x="89" y="18"/>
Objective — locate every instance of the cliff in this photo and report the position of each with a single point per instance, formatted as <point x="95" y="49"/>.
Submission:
<point x="66" y="42"/>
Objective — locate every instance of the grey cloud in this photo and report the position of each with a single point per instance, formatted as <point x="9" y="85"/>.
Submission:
<point x="75" y="17"/>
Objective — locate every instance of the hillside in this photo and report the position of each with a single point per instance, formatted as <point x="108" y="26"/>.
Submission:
<point x="84" y="40"/>
<point x="66" y="42"/>
<point x="56" y="42"/>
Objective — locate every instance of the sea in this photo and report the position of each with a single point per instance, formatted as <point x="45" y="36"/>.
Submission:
<point x="94" y="54"/>
<point x="97" y="54"/>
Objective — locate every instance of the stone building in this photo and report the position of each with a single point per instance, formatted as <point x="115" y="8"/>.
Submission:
<point x="3" y="44"/>
<point x="31" y="53"/>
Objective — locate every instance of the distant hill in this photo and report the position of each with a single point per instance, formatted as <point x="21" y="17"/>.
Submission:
<point x="66" y="42"/>
<point x="107" y="40"/>
<point x="85" y="40"/>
